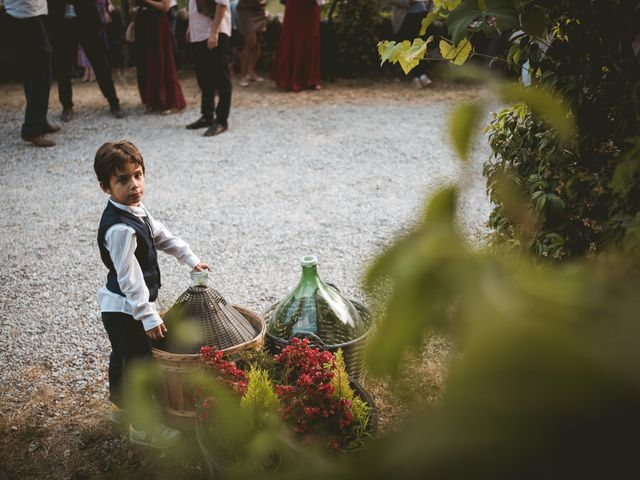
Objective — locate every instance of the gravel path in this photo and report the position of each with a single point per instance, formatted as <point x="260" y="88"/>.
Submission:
<point x="335" y="180"/>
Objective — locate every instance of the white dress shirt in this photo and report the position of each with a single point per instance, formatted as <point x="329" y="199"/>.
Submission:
<point x="120" y="241"/>
<point x="26" y="8"/>
<point x="200" y="24"/>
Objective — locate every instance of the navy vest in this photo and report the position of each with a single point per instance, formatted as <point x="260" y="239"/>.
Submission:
<point x="145" y="253"/>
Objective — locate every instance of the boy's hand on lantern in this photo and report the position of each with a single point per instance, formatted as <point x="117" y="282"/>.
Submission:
<point x="157" y="333"/>
<point x="201" y="266"/>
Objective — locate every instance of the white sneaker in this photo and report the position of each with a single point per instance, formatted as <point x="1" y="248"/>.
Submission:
<point x="118" y="415"/>
<point x="424" y="80"/>
<point x="416" y="83"/>
<point x="160" y="436"/>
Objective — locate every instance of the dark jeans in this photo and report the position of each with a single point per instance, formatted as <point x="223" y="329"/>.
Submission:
<point x="34" y="51"/>
<point x="129" y="342"/>
<point x="67" y="34"/>
<point x="214" y="77"/>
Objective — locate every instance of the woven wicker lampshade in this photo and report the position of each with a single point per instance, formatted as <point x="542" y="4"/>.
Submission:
<point x="201" y="316"/>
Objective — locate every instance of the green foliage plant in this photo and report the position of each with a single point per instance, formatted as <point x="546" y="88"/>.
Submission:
<point x="583" y="59"/>
<point x="356" y="25"/>
<point x="360" y="410"/>
<point x="260" y="401"/>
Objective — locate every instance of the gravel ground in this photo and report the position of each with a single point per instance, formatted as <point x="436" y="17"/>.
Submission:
<point x="334" y="179"/>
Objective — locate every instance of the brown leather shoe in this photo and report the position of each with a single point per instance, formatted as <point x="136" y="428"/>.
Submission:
<point x="216" y="129"/>
<point x="52" y="128"/>
<point x="39" y="140"/>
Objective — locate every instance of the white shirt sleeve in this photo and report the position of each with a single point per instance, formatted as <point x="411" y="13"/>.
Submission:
<point x="120" y="241"/>
<point x="173" y="245"/>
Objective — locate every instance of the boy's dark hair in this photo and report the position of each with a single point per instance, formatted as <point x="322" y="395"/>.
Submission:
<point x="112" y="156"/>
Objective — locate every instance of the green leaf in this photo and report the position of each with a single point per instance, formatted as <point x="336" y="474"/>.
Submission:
<point x="463" y="125"/>
<point x="410" y="58"/>
<point x="458" y="54"/>
<point x="542" y="103"/>
<point x="446" y="4"/>
<point x="460" y="18"/>
<point x="428" y="20"/>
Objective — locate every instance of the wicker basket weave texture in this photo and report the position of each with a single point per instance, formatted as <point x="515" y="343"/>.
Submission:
<point x="204" y="317"/>
<point x="177" y="395"/>
<point x="352" y="350"/>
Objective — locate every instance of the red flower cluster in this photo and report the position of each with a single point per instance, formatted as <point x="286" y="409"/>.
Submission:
<point x="307" y="395"/>
<point x="306" y="392"/>
<point x="224" y="371"/>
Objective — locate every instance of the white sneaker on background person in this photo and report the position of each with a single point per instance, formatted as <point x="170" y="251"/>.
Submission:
<point x="425" y="81"/>
<point x="416" y="83"/>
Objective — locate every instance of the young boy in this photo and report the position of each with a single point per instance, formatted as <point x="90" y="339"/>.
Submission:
<point x="128" y="239"/>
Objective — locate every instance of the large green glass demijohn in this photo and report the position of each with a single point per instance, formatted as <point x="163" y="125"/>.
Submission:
<point x="315" y="309"/>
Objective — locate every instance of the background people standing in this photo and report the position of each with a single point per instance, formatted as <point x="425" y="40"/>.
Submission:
<point x="209" y="33"/>
<point x="34" y="51"/>
<point x="155" y="60"/>
<point x="252" y="20"/>
<point x="73" y="23"/>
<point x="297" y="64"/>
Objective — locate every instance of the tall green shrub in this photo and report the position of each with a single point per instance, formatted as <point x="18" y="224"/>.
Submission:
<point x="585" y="196"/>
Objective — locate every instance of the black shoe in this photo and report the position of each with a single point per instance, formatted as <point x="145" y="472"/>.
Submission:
<point x="67" y="114"/>
<point x="116" y="112"/>
<point x="202" y="122"/>
<point x="216" y="129"/>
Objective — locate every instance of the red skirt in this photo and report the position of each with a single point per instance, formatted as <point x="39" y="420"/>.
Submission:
<point x="297" y="64"/>
<point x="155" y="62"/>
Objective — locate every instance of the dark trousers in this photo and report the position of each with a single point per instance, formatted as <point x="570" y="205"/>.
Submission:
<point x="67" y="35"/>
<point x="34" y="51"/>
<point x="129" y="342"/>
<point x="214" y="77"/>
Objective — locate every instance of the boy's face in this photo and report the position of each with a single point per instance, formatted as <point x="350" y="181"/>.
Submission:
<point x="126" y="186"/>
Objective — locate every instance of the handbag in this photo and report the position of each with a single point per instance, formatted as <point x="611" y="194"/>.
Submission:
<point x="130" y="34"/>
<point x="206" y="7"/>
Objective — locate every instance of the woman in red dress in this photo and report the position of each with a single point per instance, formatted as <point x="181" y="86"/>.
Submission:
<point x="155" y="64"/>
<point x="297" y="64"/>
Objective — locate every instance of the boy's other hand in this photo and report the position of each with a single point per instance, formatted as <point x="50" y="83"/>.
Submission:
<point x="201" y="266"/>
<point x="157" y="333"/>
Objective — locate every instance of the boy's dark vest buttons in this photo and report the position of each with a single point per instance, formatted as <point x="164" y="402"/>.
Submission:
<point x="145" y="253"/>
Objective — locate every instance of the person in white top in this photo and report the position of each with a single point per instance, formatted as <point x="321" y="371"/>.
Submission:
<point x="128" y="240"/>
<point x="209" y="33"/>
<point x="33" y="49"/>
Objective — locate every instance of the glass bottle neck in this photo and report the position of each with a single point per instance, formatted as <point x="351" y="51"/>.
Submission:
<point x="309" y="273"/>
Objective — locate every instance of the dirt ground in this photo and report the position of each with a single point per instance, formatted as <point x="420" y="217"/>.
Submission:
<point x="375" y="91"/>
<point x="49" y="436"/>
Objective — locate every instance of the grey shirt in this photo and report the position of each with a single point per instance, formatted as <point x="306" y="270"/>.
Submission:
<point x="26" y="8"/>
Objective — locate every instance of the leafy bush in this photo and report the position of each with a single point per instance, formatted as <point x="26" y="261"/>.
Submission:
<point x="577" y="193"/>
<point x="310" y="392"/>
<point x="349" y="38"/>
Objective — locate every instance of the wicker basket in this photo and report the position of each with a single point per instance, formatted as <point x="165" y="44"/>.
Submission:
<point x="353" y="350"/>
<point x="177" y="395"/>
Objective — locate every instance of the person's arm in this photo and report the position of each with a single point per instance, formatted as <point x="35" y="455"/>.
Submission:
<point x="175" y="246"/>
<point x="221" y="9"/>
<point x="121" y="243"/>
<point x="162" y="5"/>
